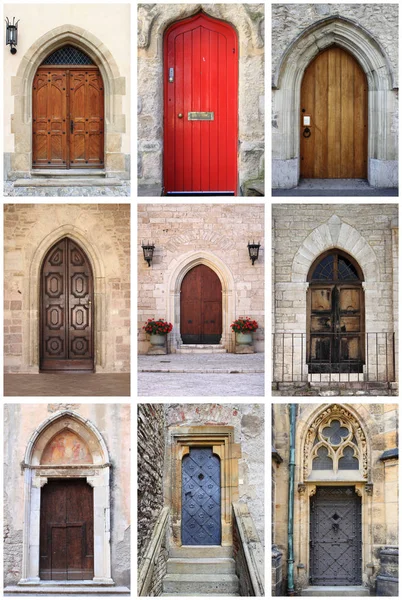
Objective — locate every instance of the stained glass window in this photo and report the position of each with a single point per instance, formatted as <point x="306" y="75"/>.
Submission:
<point x="348" y="461"/>
<point x="335" y="267"/>
<point x="68" y="55"/>
<point x="335" y="433"/>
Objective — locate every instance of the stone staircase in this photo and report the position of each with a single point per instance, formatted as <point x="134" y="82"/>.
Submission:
<point x="67" y="178"/>
<point x="201" y="571"/>
<point x="201" y="349"/>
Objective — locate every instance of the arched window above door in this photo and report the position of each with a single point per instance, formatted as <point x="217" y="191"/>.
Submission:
<point x="335" y="266"/>
<point x="68" y="55"/>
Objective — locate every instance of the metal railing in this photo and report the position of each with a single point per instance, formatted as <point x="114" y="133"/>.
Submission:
<point x="329" y="357"/>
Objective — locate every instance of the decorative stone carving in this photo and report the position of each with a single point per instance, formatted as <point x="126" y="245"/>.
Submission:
<point x="369" y="488"/>
<point x="301" y="488"/>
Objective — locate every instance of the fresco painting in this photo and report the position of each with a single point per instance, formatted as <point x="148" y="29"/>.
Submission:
<point x="66" y="448"/>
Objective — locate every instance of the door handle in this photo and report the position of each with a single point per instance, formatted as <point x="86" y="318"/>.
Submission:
<point x="180" y="115"/>
<point x="306" y="132"/>
<point x="72" y="126"/>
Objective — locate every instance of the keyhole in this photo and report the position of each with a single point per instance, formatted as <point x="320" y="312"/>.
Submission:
<point x="200" y="476"/>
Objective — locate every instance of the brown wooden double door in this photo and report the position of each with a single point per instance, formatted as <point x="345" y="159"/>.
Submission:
<point x="68" y="118"/>
<point x="201" y="307"/>
<point x="66" y="318"/>
<point x="66" y="530"/>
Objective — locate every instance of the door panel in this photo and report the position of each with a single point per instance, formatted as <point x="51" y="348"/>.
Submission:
<point x="335" y="537"/>
<point x="334" y="95"/>
<point x="201" y="307"/>
<point x="66" y="530"/>
<point x="201" y="498"/>
<point x="68" y="118"/>
<point x="66" y="309"/>
<point x="200" y="76"/>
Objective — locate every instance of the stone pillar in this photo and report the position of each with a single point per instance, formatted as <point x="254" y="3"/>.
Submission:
<point x="276" y="571"/>
<point x="387" y="580"/>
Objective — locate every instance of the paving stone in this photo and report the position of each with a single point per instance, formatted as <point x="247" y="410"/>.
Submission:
<point x="204" y="384"/>
<point x="202" y="363"/>
<point x="67" y="384"/>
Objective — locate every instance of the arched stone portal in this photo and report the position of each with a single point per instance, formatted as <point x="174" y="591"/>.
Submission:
<point x="38" y="468"/>
<point x="342" y="32"/>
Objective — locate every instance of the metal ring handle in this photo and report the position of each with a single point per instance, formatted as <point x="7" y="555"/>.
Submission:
<point x="306" y="132"/>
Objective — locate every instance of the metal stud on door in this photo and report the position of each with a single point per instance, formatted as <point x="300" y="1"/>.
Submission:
<point x="201" y="498"/>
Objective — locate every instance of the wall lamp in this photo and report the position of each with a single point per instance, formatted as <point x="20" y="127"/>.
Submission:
<point x="12" y="34"/>
<point x="253" y="250"/>
<point x="148" y="250"/>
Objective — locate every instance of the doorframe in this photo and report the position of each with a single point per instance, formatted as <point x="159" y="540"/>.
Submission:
<point x="175" y="274"/>
<point x="114" y="90"/>
<point x="221" y="439"/>
<point x="36" y="476"/>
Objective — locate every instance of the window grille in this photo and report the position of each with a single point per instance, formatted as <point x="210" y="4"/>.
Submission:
<point x="348" y="461"/>
<point x="68" y="55"/>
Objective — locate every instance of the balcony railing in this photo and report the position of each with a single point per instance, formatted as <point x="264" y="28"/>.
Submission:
<point x="333" y="357"/>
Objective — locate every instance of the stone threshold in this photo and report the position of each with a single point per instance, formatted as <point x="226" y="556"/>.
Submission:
<point x="67" y="182"/>
<point x="68" y="172"/>
<point x="70" y="589"/>
<point x="348" y="591"/>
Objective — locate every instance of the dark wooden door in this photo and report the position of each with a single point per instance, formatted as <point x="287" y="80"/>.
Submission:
<point x="201" y="498"/>
<point x="334" y="97"/>
<point x="335" y="537"/>
<point x="66" y="318"/>
<point x="68" y="118"/>
<point x="200" y="119"/>
<point x="66" y="530"/>
<point x="201" y="307"/>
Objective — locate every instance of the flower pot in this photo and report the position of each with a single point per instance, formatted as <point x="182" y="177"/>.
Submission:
<point x="157" y="339"/>
<point x="244" y="338"/>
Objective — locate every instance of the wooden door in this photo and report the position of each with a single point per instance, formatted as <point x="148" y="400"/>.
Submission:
<point x="201" y="307"/>
<point x="200" y="112"/>
<point x="335" y="537"/>
<point x="334" y="98"/>
<point x="201" y="498"/>
<point x="68" y="118"/>
<point x="66" y="530"/>
<point x="66" y="318"/>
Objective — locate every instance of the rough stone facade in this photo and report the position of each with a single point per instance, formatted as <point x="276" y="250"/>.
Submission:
<point x="113" y="423"/>
<point x="213" y="234"/>
<point x="248" y="20"/>
<point x="45" y="28"/>
<point x="301" y="233"/>
<point x="376" y="483"/>
<point x="103" y="231"/>
<point x="370" y="33"/>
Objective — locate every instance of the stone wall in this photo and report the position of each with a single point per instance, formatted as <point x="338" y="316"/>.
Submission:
<point x="113" y="422"/>
<point x="379" y="508"/>
<point x="103" y="231"/>
<point x="248" y="422"/>
<point x="300" y="234"/>
<point x="248" y="20"/>
<point x="215" y="234"/>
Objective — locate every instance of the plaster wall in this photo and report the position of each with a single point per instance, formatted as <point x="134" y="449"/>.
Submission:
<point x="113" y="422"/>
<point x="180" y="232"/>
<point x="103" y="231"/>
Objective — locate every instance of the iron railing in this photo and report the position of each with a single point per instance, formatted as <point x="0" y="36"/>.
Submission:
<point x="330" y="357"/>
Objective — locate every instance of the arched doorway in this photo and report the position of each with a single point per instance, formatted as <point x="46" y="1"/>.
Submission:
<point x="66" y="309"/>
<point x="333" y="118"/>
<point x="335" y="314"/>
<point x="200" y="107"/>
<point x="68" y="112"/>
<point x="201" y="306"/>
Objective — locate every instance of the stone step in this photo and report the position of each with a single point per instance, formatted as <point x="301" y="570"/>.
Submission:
<point x="201" y="552"/>
<point x="65" y="590"/>
<point x="201" y="565"/>
<point x="202" y="583"/>
<point x="68" y="172"/>
<point x="67" y="182"/>
<point x="181" y="595"/>
<point x="348" y="591"/>
<point x="201" y="349"/>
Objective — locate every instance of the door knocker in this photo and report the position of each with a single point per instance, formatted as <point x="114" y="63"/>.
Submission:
<point x="306" y="132"/>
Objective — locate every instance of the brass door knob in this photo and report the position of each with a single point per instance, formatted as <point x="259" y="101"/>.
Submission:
<point x="180" y="115"/>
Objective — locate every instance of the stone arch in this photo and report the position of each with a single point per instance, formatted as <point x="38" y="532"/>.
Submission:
<point x="178" y="268"/>
<point x="335" y="233"/>
<point x="97" y="475"/>
<point x="98" y="269"/>
<point x="114" y="86"/>
<point x="356" y="40"/>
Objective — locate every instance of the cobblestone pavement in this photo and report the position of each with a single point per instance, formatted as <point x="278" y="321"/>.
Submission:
<point x="96" y="191"/>
<point x="202" y="363"/>
<point x="200" y="384"/>
<point x="67" y="384"/>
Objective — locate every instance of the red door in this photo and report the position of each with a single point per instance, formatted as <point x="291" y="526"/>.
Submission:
<point x="201" y="307"/>
<point x="200" y="111"/>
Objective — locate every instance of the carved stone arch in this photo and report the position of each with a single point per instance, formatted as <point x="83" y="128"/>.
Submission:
<point x="355" y="39"/>
<point x="178" y="268"/>
<point x="114" y="86"/>
<point x="37" y="475"/>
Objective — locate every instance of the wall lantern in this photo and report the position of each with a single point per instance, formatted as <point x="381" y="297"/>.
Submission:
<point x="12" y="34"/>
<point x="148" y="250"/>
<point x="253" y="250"/>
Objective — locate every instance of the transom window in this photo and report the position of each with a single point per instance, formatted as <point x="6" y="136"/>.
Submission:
<point x="68" y="55"/>
<point x="335" y="267"/>
<point x="335" y="447"/>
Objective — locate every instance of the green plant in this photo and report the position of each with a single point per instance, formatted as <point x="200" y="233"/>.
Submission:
<point x="244" y="325"/>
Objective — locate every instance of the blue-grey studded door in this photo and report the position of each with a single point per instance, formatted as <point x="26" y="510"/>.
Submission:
<point x="201" y="498"/>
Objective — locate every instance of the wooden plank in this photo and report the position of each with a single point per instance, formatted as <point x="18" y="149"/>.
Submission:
<point x="347" y="116"/>
<point x="308" y="103"/>
<point x="222" y="113"/>
<point x="213" y="125"/>
<point x="188" y="107"/>
<point x="334" y="113"/>
<point x="205" y="66"/>
<point x="360" y="122"/>
<point x="321" y="116"/>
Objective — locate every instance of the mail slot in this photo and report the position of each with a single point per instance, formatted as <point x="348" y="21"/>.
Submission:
<point x="201" y="116"/>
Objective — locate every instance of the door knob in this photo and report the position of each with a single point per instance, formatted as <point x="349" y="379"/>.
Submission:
<point x="180" y="115"/>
